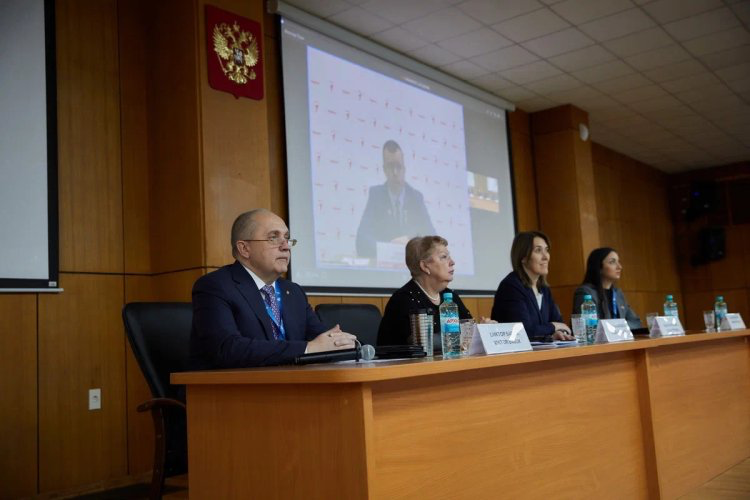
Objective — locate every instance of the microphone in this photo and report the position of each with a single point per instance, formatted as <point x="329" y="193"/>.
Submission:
<point x="365" y="353"/>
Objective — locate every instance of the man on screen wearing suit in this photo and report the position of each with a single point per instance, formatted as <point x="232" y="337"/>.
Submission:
<point x="245" y="314"/>
<point x="395" y="211"/>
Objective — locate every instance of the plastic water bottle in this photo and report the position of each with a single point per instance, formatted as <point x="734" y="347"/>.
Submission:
<point x="590" y="318"/>
<point x="450" y="329"/>
<point x="670" y="307"/>
<point x="720" y="311"/>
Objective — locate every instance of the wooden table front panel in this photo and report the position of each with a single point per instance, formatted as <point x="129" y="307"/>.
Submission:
<point x="700" y="411"/>
<point x="566" y="428"/>
<point x="278" y="441"/>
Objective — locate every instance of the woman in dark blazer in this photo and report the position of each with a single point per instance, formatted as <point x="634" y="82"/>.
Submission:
<point x="524" y="296"/>
<point x="603" y="269"/>
<point x="431" y="269"/>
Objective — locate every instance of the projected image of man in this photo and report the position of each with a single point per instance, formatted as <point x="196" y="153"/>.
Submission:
<point x="395" y="211"/>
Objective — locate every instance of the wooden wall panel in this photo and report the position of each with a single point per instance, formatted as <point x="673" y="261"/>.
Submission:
<point x="235" y="148"/>
<point x="133" y="49"/>
<point x="18" y="390"/>
<point x="314" y="300"/>
<point x="472" y="305"/>
<point x="634" y="219"/>
<point x="90" y="205"/>
<point x="484" y="307"/>
<point x="81" y="346"/>
<point x="586" y="196"/>
<point x="563" y="296"/>
<point x="745" y="249"/>
<point x="176" y="287"/>
<point x="174" y="136"/>
<point x="557" y="192"/>
<point x="565" y="117"/>
<point x="565" y="190"/>
<point x="527" y="216"/>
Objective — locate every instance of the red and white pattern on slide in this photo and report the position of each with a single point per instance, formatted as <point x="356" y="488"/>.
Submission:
<point x="353" y="112"/>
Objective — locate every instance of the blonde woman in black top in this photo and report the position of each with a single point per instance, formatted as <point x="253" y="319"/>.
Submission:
<point x="431" y="268"/>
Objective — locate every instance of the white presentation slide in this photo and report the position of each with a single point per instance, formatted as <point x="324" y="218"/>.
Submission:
<point x="353" y="112"/>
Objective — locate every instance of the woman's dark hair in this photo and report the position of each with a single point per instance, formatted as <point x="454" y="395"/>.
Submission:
<point x="520" y="250"/>
<point x="594" y="270"/>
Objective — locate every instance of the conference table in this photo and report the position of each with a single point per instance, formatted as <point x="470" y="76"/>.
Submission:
<point x="650" y="418"/>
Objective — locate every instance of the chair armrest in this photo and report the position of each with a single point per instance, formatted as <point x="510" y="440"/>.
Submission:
<point x="160" y="404"/>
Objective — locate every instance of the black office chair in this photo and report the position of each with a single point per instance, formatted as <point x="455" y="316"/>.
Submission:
<point x="159" y="334"/>
<point x="362" y="320"/>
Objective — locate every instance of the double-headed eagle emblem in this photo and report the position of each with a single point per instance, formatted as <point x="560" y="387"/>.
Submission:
<point x="237" y="52"/>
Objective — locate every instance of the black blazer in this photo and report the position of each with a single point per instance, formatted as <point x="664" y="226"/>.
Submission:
<point x="231" y="328"/>
<point x="395" y="327"/>
<point x="516" y="302"/>
<point x="379" y="223"/>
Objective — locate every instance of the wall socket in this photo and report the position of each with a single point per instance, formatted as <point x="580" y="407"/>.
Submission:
<point x="95" y="399"/>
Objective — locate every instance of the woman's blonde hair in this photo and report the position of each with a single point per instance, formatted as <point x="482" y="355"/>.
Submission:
<point x="421" y="248"/>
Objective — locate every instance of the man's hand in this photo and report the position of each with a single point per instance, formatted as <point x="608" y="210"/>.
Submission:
<point x="332" y="340"/>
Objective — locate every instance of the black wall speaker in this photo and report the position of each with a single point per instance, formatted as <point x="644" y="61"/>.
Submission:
<point x="710" y="246"/>
<point x="704" y="199"/>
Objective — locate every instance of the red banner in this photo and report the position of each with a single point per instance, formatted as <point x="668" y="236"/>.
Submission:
<point x="234" y="53"/>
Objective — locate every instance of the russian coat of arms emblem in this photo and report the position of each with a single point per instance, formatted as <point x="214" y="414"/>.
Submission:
<point x="234" y="53"/>
<point x="237" y="52"/>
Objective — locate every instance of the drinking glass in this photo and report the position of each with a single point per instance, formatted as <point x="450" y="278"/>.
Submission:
<point x="579" y="328"/>
<point x="467" y="333"/>
<point x="710" y="320"/>
<point x="650" y="317"/>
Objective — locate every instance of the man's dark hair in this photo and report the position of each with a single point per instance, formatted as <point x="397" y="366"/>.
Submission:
<point x="391" y="146"/>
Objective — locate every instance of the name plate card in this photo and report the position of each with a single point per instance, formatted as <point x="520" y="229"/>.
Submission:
<point x="613" y="330"/>
<point x="732" y="321"/>
<point x="667" y="326"/>
<point x="498" y="338"/>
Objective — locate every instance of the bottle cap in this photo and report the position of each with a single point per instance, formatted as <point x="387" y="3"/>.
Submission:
<point x="669" y="297"/>
<point x="719" y="298"/>
<point x="587" y="297"/>
<point x="447" y="296"/>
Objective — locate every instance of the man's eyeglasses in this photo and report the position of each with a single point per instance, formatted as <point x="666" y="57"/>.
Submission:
<point x="277" y="240"/>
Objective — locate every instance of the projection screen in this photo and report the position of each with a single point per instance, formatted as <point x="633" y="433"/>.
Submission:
<point x="28" y="147"/>
<point x="378" y="153"/>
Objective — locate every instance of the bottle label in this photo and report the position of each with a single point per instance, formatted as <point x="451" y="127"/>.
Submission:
<point x="451" y="324"/>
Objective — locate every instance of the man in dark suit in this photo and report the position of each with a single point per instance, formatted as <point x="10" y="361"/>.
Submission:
<point x="245" y="314"/>
<point x="395" y="211"/>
